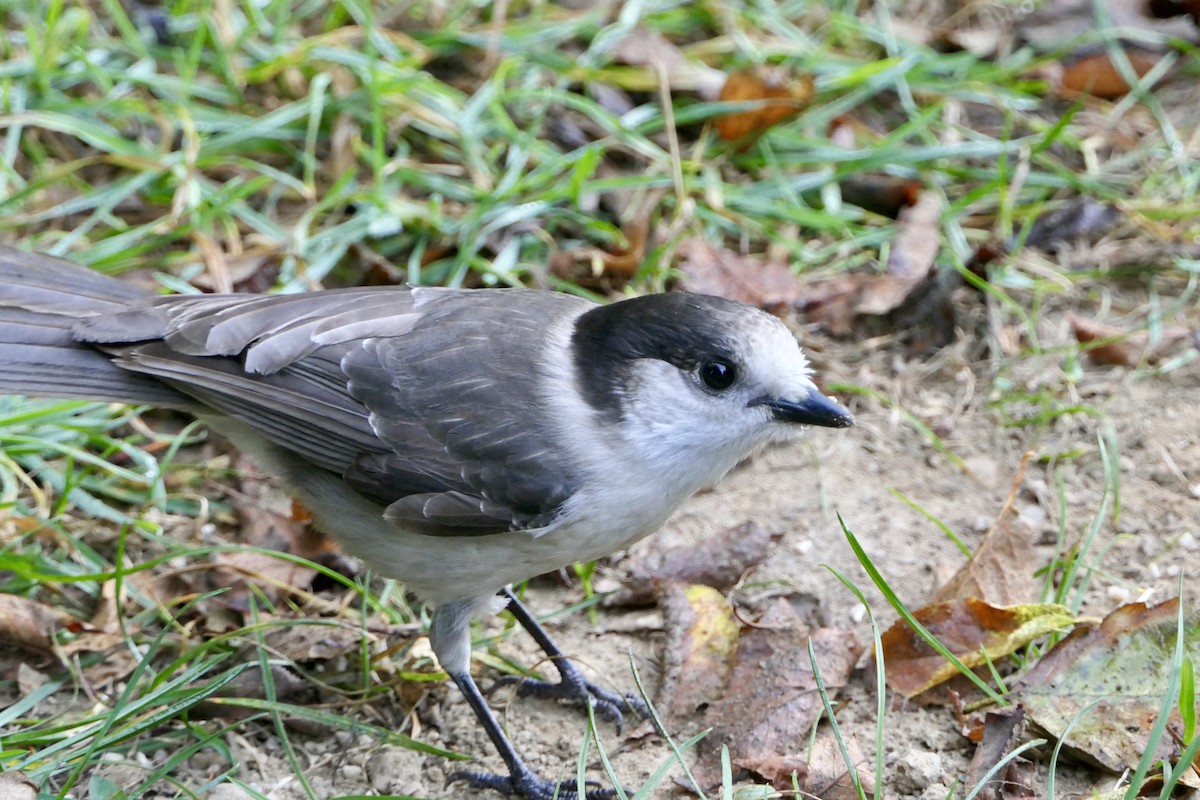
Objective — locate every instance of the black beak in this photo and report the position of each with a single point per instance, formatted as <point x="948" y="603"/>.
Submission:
<point x="816" y="409"/>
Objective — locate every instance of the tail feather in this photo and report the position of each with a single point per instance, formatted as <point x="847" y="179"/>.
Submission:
<point x="41" y="299"/>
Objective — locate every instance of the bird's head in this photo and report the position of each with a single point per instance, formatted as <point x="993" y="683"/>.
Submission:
<point x="686" y="377"/>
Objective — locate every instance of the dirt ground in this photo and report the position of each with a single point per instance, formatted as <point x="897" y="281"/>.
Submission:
<point x="797" y="491"/>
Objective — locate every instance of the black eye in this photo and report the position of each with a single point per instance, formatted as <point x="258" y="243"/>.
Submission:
<point x="717" y="374"/>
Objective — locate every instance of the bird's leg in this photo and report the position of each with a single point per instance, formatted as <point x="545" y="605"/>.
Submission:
<point x="450" y="636"/>
<point x="573" y="686"/>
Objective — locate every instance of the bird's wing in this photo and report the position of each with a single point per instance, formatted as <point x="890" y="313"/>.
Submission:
<point x="426" y="400"/>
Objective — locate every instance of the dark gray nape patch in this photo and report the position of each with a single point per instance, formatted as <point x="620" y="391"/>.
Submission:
<point x="680" y="328"/>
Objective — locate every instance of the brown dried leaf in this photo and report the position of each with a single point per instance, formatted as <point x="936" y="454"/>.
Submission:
<point x="974" y="631"/>
<point x="782" y="98"/>
<point x="1083" y="218"/>
<point x="273" y="577"/>
<point x="716" y="271"/>
<point x="881" y="194"/>
<point x="29" y="624"/>
<point x="594" y="267"/>
<point x="118" y="664"/>
<point x="249" y="683"/>
<point x="1089" y="69"/>
<point x="1125" y="348"/>
<point x="1124" y="665"/>
<point x="828" y="777"/>
<point x="821" y="773"/>
<point x="771" y="701"/>
<point x="917" y="239"/>
<point x="313" y="642"/>
<point x="163" y="588"/>
<point x="1093" y="73"/>
<point x="1057" y="22"/>
<point x="287" y="532"/>
<point x="29" y="680"/>
<point x="718" y="561"/>
<point x="1001" y="732"/>
<point x="912" y="298"/>
<point x="94" y="641"/>
<point x="1000" y="571"/>
<point x="702" y="639"/>
<point x="17" y="786"/>
<point x="643" y="47"/>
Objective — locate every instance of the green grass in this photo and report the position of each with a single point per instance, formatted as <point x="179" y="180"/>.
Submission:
<point x="294" y="144"/>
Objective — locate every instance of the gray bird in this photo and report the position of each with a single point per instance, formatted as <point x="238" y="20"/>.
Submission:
<point x="457" y="440"/>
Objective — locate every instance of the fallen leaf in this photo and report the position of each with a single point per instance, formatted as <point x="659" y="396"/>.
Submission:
<point x="272" y="576"/>
<point x="718" y="561"/>
<point x="1001" y="732"/>
<point x="821" y="773"/>
<point x="29" y="624"/>
<point x="251" y="684"/>
<point x="925" y="321"/>
<point x="917" y="239"/>
<point x="828" y="776"/>
<point x="781" y="98"/>
<point x="1093" y="72"/>
<point x="1122" y="665"/>
<point x="321" y="641"/>
<point x="1055" y="23"/>
<point x="711" y="270"/>
<point x="1000" y="571"/>
<point x="974" y="631"/>
<point x="287" y="531"/>
<point x="28" y="680"/>
<point x="911" y="299"/>
<point x="118" y="663"/>
<point x="1117" y="347"/>
<point x="886" y="195"/>
<point x="771" y="700"/>
<point x="17" y="786"/>
<point x="702" y="639"/>
<point x="1080" y="219"/>
<point x="596" y="267"/>
<point x="648" y="48"/>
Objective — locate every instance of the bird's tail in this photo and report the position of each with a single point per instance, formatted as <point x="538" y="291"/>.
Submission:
<point x="41" y="298"/>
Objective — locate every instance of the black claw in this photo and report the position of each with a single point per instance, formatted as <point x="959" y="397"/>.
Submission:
<point x="530" y="787"/>
<point x="608" y="705"/>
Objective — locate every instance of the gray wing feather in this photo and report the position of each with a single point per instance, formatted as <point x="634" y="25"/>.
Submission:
<point x="303" y="410"/>
<point x="458" y="399"/>
<point x="425" y="400"/>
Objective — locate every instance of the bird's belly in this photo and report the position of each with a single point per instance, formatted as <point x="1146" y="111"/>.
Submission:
<point x="445" y="568"/>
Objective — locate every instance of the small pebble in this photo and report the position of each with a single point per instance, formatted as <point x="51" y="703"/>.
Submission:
<point x="804" y="546"/>
<point x="1033" y="515"/>
<point x="858" y="613"/>
<point x="1154" y="570"/>
<point x="1118" y="594"/>
<point x="1188" y="542"/>
<point x="229" y="791"/>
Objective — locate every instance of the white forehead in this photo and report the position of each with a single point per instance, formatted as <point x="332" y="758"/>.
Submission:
<point x="770" y="349"/>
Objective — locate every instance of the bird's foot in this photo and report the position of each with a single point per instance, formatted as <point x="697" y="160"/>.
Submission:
<point x="575" y="690"/>
<point x="531" y="787"/>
